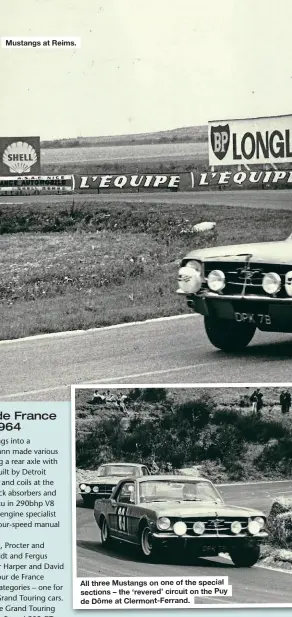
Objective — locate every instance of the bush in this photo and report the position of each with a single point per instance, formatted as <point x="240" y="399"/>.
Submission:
<point x="153" y="395"/>
<point x="282" y="532"/>
<point x="279" y="506"/>
<point x="252" y="427"/>
<point x="276" y="456"/>
<point x="196" y="413"/>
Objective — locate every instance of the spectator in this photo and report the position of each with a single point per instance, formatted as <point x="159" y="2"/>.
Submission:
<point x="282" y="401"/>
<point x="110" y="397"/>
<point x="260" y="402"/>
<point x="256" y="400"/>
<point x="122" y="402"/>
<point x="285" y="401"/>
<point x="97" y="398"/>
<point x="288" y="401"/>
<point x="253" y="399"/>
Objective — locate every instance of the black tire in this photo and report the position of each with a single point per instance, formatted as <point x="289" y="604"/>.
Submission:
<point x="228" y="335"/>
<point x="147" y="547"/>
<point x="105" y="533"/>
<point x="245" y="556"/>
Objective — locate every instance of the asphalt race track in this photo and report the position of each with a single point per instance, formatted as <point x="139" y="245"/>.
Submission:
<point x="250" y="585"/>
<point x="274" y="200"/>
<point x="165" y="351"/>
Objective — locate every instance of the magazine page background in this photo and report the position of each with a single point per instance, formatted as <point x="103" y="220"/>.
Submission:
<point x="40" y="92"/>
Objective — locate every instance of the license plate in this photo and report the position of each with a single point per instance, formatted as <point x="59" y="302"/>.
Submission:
<point x="253" y="318"/>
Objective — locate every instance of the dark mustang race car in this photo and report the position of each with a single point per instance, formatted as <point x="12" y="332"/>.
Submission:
<point x="238" y="289"/>
<point x="107" y="477"/>
<point x="181" y="512"/>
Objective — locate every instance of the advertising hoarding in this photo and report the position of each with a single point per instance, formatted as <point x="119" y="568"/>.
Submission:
<point x="19" y="155"/>
<point x="36" y="184"/>
<point x="250" y="141"/>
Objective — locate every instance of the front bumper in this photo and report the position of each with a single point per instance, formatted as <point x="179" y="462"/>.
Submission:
<point x="207" y="545"/>
<point x="228" y="307"/>
<point x="262" y="535"/>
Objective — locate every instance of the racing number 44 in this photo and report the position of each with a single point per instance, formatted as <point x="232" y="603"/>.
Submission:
<point x="122" y="518"/>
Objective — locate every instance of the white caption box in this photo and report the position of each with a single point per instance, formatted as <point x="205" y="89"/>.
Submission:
<point x="139" y="592"/>
<point x="40" y="42"/>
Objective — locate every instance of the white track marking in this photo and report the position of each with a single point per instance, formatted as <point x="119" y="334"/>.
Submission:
<point x="102" y="329"/>
<point x="108" y="380"/>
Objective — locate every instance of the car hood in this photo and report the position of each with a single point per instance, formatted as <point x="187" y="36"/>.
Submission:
<point x="189" y="509"/>
<point x="266" y="252"/>
<point x="104" y="480"/>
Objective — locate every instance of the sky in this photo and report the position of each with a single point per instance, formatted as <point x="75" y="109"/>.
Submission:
<point x="143" y="65"/>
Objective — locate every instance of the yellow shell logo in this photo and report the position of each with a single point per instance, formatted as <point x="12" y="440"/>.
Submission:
<point x="19" y="157"/>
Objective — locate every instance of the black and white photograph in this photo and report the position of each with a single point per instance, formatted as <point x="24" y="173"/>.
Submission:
<point x="185" y="481"/>
<point x="145" y="194"/>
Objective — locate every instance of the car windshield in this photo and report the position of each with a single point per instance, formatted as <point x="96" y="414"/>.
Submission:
<point x="118" y="470"/>
<point x="170" y="490"/>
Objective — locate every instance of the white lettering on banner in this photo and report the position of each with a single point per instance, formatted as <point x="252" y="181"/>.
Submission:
<point x="250" y="141"/>
<point x="130" y="181"/>
<point x="145" y="592"/>
<point x="242" y="178"/>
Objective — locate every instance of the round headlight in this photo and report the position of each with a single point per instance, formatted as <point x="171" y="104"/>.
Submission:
<point x="87" y="489"/>
<point x="95" y="489"/>
<point x="271" y="282"/>
<point x="254" y="527"/>
<point x="196" y="265"/>
<point x="260" y="520"/>
<point x="236" y="527"/>
<point x="180" y="528"/>
<point x="189" y="280"/>
<point x="216" y="280"/>
<point x="163" y="523"/>
<point x="82" y="487"/>
<point x="288" y="283"/>
<point x="199" y="527"/>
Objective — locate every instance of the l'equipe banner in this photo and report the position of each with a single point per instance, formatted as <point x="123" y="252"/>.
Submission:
<point x="250" y="141"/>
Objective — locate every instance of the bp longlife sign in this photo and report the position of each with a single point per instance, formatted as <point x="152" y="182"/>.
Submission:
<point x="250" y="141"/>
<point x="19" y="155"/>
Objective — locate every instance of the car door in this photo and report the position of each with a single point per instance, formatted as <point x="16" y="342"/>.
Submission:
<point x="125" y="505"/>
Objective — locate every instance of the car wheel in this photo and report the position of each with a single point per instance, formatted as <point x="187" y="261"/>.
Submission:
<point x="245" y="557"/>
<point x="146" y="544"/>
<point x="228" y="335"/>
<point x="105" y="533"/>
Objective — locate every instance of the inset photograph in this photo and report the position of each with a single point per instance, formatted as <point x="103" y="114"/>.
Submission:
<point x="172" y="481"/>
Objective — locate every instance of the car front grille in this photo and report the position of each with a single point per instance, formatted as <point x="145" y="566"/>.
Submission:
<point x="216" y="526"/>
<point x="246" y="278"/>
<point x="105" y="489"/>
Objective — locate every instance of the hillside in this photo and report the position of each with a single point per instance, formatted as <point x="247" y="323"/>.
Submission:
<point x="214" y="429"/>
<point x="180" y="135"/>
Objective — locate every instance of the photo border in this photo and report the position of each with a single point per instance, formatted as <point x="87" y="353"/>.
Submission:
<point x="107" y="385"/>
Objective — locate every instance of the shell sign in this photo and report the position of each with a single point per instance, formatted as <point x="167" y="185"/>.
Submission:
<point x="19" y="155"/>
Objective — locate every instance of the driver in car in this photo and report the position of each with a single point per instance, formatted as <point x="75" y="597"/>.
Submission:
<point x="189" y="492"/>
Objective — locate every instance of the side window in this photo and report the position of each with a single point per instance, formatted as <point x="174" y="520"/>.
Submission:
<point x="145" y="471"/>
<point x="126" y="494"/>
